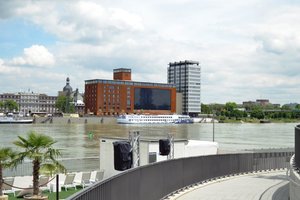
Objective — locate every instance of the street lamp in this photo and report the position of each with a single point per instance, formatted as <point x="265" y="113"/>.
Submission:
<point x="213" y="119"/>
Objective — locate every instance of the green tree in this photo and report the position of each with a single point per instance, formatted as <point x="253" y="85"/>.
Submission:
<point x="238" y="114"/>
<point x="64" y="104"/>
<point x="286" y="107"/>
<point x="71" y="108"/>
<point x="7" y="156"/>
<point x="230" y="106"/>
<point x="230" y="110"/>
<point x="217" y="108"/>
<point x="296" y="114"/>
<point x="39" y="149"/>
<point x="206" y="109"/>
<point x="257" y="112"/>
<point x="61" y="103"/>
<point x="11" y="105"/>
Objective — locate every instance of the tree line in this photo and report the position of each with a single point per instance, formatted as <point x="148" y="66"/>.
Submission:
<point x="232" y="110"/>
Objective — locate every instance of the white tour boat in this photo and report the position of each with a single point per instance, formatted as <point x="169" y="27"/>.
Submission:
<point x="154" y="119"/>
<point x="12" y="120"/>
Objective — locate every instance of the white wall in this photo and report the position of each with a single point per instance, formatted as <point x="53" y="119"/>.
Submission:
<point x="182" y="148"/>
<point x="196" y="148"/>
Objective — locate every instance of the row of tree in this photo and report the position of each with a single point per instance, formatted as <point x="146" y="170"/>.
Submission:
<point x="232" y="110"/>
<point x="39" y="149"/>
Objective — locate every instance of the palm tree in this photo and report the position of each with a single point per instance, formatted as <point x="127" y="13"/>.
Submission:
<point x="6" y="160"/>
<point x="39" y="148"/>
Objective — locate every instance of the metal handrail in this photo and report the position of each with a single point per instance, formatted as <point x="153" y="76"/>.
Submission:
<point x="157" y="180"/>
<point x="71" y="164"/>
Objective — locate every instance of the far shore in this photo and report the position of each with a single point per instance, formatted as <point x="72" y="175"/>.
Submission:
<point x="112" y="120"/>
<point x="76" y="120"/>
<point x="251" y="120"/>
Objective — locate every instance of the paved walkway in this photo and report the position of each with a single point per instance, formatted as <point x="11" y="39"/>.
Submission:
<point x="255" y="186"/>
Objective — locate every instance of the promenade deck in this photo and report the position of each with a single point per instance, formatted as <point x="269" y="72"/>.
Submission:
<point x="271" y="185"/>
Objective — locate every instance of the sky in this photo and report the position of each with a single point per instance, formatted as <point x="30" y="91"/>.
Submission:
<point x="247" y="50"/>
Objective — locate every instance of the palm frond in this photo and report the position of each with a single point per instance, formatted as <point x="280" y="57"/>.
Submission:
<point x="38" y="148"/>
<point x="52" y="168"/>
<point x="7" y="156"/>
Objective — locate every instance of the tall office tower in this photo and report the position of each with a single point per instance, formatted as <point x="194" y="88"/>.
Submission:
<point x="186" y="75"/>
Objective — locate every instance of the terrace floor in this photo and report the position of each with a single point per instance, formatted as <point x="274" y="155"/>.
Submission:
<point x="271" y="185"/>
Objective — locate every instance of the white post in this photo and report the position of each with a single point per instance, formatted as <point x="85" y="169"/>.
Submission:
<point x="134" y="139"/>
<point x="171" y="140"/>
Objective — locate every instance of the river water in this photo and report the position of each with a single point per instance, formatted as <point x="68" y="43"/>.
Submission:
<point x="82" y="140"/>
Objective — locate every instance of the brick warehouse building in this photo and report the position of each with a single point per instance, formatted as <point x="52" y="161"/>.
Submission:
<point x="121" y="95"/>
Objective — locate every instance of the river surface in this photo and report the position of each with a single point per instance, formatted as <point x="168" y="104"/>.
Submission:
<point x="82" y="140"/>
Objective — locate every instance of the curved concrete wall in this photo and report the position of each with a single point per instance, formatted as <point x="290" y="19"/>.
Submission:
<point x="157" y="180"/>
<point x="295" y="168"/>
<point x="294" y="181"/>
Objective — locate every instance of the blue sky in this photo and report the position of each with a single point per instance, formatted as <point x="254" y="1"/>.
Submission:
<point x="247" y="49"/>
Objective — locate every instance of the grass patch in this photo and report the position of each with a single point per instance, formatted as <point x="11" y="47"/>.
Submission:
<point x="52" y="196"/>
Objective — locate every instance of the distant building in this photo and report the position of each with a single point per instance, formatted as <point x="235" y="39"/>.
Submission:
<point x="249" y="103"/>
<point x="75" y="97"/>
<point x="263" y="102"/>
<point x="37" y="103"/>
<point x="122" y="95"/>
<point x="30" y="102"/>
<point x="259" y="102"/>
<point x="186" y="75"/>
<point x="78" y="102"/>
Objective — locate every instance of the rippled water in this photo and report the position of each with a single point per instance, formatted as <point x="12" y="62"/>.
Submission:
<point x="74" y="140"/>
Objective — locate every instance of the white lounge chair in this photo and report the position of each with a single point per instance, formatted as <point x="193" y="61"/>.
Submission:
<point x="86" y="179"/>
<point x="7" y="186"/>
<point x="69" y="182"/>
<point x="98" y="177"/>
<point x="43" y="182"/>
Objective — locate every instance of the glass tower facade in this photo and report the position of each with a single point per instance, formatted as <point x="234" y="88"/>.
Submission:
<point x="186" y="75"/>
<point x="152" y="99"/>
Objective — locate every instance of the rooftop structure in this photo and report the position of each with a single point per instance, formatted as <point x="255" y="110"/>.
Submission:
<point x="122" y="74"/>
<point x="67" y="89"/>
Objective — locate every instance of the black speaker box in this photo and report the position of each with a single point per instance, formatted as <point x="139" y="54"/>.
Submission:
<point x="122" y="155"/>
<point x="164" y="147"/>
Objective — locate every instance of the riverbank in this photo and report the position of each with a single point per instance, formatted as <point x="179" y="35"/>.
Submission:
<point x="254" y="121"/>
<point x="75" y="120"/>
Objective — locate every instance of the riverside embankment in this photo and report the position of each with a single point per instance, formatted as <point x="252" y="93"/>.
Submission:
<point x="74" y="120"/>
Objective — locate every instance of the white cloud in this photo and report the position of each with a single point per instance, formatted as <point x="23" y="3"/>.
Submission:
<point x="81" y="21"/>
<point x="8" y="70"/>
<point x="36" y="55"/>
<point x="279" y="34"/>
<point x="247" y="49"/>
<point x="16" y="79"/>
